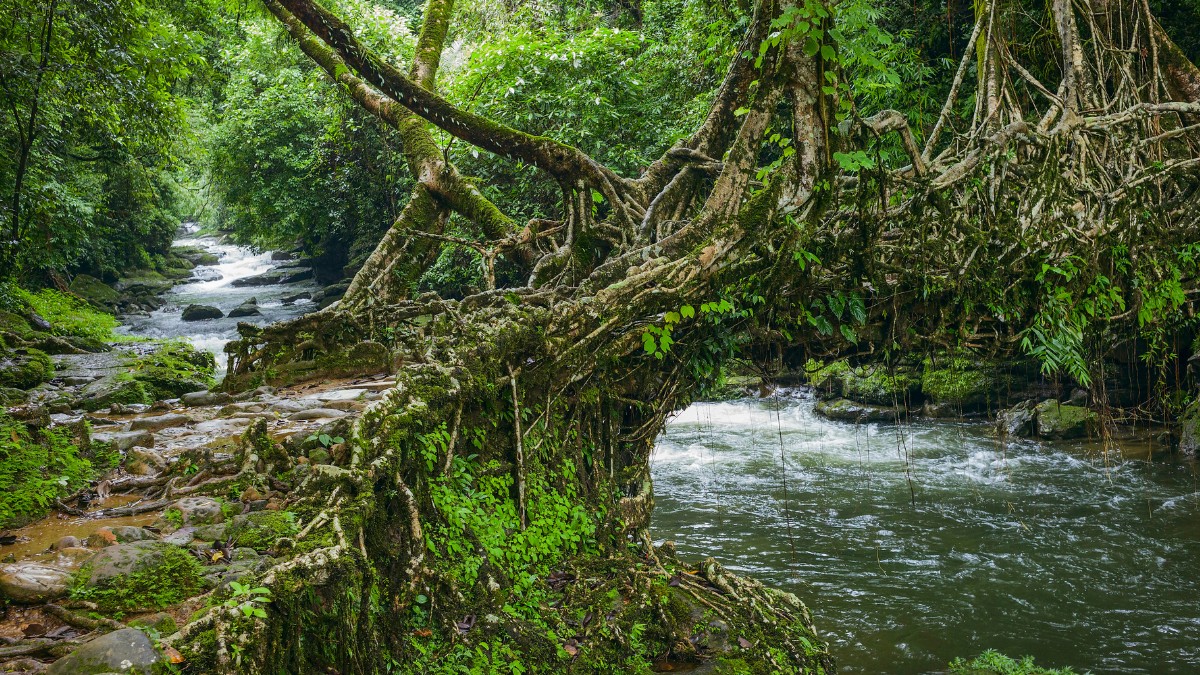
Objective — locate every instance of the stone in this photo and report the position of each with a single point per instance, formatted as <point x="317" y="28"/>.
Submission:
<point x="199" y="398"/>
<point x="33" y="584"/>
<point x="318" y="456"/>
<point x="159" y="422"/>
<point x="199" y="510"/>
<point x="66" y="542"/>
<point x="338" y="395"/>
<point x="1189" y="432"/>
<point x="291" y="299"/>
<point x="214" y="532"/>
<point x="143" y="462"/>
<point x="128" y="650"/>
<point x="118" y="388"/>
<point x="247" y="308"/>
<point x="1060" y="421"/>
<point x="94" y="291"/>
<point x="102" y="538"/>
<point x="24" y="368"/>
<point x="845" y="410"/>
<point x="128" y="533"/>
<point x="201" y="313"/>
<point x="316" y="414"/>
<point x="1017" y="421"/>
<point x="123" y="441"/>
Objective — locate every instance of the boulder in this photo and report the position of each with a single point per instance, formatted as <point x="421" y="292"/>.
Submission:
<point x="94" y="291"/>
<point x="24" y="368"/>
<point x="1189" y="432"/>
<point x="844" y="410"/>
<point x="1017" y="420"/>
<point x="316" y="414"/>
<point x="128" y="533"/>
<point x="128" y="650"/>
<point x="874" y="384"/>
<point x="1061" y="421"/>
<point x="199" y="510"/>
<point x="119" y="388"/>
<point x="33" y="584"/>
<point x="143" y="462"/>
<point x="122" y="441"/>
<point x="291" y="299"/>
<point x="201" y="313"/>
<point x="159" y="422"/>
<point x="247" y="308"/>
<point x="199" y="398"/>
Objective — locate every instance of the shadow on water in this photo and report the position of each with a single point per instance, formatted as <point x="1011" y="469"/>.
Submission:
<point x="1050" y="550"/>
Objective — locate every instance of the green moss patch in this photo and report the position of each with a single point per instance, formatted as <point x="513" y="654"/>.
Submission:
<point x="261" y="529"/>
<point x="37" y="466"/>
<point x="993" y="662"/>
<point x="874" y="384"/>
<point x="139" y="576"/>
<point x="25" y="368"/>
<point x="172" y="370"/>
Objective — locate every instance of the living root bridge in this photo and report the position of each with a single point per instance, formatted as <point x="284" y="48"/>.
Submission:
<point x="495" y="504"/>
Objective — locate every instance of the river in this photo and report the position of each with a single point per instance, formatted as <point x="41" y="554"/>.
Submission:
<point x="913" y="545"/>
<point x="212" y="285"/>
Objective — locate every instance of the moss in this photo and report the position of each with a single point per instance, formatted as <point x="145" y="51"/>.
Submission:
<point x="70" y="316"/>
<point x="260" y="530"/>
<point x="121" y="389"/>
<point x="15" y="325"/>
<point x="169" y="576"/>
<point x="874" y="384"/>
<point x="36" y="467"/>
<point x="94" y="291"/>
<point x="25" y="368"/>
<point x="174" y="369"/>
<point x="958" y="380"/>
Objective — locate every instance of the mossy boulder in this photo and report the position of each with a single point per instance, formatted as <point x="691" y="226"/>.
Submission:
<point x="1061" y="421"/>
<point x="960" y="383"/>
<point x="201" y="313"/>
<point x="174" y="369"/>
<point x="16" y="326"/>
<point x="25" y="368"/>
<point x="874" y="384"/>
<point x="94" y="291"/>
<point x="260" y="530"/>
<point x="120" y="388"/>
<point x="139" y="576"/>
<point x="128" y="651"/>
<point x="845" y="410"/>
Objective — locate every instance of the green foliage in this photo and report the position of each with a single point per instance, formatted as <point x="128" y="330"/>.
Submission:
<point x="89" y="133"/>
<point x="172" y="370"/>
<point x="171" y="580"/>
<point x="249" y="601"/>
<point x="36" y="467"/>
<point x="992" y="662"/>
<point x="68" y="315"/>
<point x="260" y="530"/>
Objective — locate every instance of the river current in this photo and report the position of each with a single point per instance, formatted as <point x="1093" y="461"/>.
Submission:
<point x="916" y="544"/>
<point x="213" y="285"/>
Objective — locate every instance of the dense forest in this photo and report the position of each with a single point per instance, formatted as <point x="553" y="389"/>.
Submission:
<point x="339" y="337"/>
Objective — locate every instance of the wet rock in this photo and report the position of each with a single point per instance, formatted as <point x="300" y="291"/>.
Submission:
<point x="33" y="584"/>
<point x="1017" y="421"/>
<point x="118" y="388"/>
<point x="247" y="308"/>
<point x="66" y="542"/>
<point x="316" y="414"/>
<point x="196" y="255"/>
<point x="1189" y="432"/>
<point x="12" y="396"/>
<point x="94" y="291"/>
<point x="124" y="651"/>
<point x="200" y="398"/>
<point x="102" y="538"/>
<point x="180" y="537"/>
<point x="201" y="313"/>
<point x="122" y="441"/>
<point x="844" y="410"/>
<point x="128" y="533"/>
<point x="1062" y="421"/>
<point x="214" y="532"/>
<point x="24" y="368"/>
<point x="291" y="299"/>
<point x="286" y="274"/>
<point x="199" y="510"/>
<point x="159" y="422"/>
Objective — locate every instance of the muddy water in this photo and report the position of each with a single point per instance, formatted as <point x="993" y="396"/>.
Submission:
<point x="34" y="540"/>
<point x="915" y="545"/>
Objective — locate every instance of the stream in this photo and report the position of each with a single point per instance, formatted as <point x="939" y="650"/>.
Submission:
<point x="212" y="285"/>
<point x="914" y="545"/>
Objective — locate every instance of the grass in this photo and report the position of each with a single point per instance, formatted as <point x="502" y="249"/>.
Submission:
<point x="69" y="315"/>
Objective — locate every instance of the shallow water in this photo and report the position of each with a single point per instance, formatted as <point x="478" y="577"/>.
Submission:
<point x="915" y="545"/>
<point x="212" y="285"/>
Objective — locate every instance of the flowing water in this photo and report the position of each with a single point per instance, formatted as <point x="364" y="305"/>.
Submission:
<point x="916" y="544"/>
<point x="212" y="285"/>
